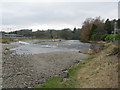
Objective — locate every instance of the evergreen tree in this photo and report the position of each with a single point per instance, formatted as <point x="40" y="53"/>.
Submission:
<point x="108" y="26"/>
<point x="118" y="22"/>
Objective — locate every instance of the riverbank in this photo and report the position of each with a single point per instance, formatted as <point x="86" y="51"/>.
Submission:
<point x="98" y="71"/>
<point x="9" y="40"/>
<point x="20" y="71"/>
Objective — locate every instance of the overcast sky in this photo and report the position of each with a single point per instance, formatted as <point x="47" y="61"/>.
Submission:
<point x="53" y="15"/>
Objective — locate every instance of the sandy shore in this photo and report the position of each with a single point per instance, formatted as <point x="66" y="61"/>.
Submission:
<point x="20" y="71"/>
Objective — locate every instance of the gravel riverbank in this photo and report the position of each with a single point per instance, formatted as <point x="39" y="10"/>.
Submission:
<point x="20" y="71"/>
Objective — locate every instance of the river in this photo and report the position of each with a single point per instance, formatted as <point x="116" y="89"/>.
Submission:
<point x="47" y="46"/>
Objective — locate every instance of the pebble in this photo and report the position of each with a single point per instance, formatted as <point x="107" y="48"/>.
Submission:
<point x="19" y="69"/>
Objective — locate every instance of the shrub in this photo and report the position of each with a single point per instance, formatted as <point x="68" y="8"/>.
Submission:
<point x="112" y="37"/>
<point x="103" y="37"/>
<point x="93" y="37"/>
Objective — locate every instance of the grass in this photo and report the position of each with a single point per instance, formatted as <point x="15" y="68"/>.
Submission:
<point x="73" y="70"/>
<point x="98" y="71"/>
<point x="8" y="40"/>
<point x="57" y="82"/>
<point x="52" y="83"/>
<point x="101" y="72"/>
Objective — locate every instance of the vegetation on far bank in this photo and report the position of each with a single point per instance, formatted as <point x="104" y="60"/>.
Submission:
<point x="98" y="71"/>
<point x="8" y="40"/>
<point x="66" y="33"/>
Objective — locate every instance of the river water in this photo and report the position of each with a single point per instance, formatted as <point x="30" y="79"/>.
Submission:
<point x="47" y="46"/>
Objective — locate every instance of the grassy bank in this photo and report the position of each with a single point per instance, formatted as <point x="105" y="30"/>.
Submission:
<point x="102" y="71"/>
<point x="98" y="71"/>
<point x="70" y="82"/>
<point x="8" y="40"/>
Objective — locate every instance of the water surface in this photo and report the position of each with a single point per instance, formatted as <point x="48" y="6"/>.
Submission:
<point x="46" y="46"/>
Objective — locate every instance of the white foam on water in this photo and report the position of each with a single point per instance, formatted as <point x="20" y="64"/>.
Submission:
<point x="20" y="42"/>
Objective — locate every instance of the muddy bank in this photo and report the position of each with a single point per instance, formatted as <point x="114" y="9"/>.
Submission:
<point x="20" y="71"/>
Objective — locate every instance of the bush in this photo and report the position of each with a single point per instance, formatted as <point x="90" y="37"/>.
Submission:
<point x="95" y="37"/>
<point x="103" y="37"/>
<point x="112" y="37"/>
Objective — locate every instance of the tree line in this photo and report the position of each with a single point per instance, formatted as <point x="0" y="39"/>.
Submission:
<point x="95" y="29"/>
<point x="66" y="33"/>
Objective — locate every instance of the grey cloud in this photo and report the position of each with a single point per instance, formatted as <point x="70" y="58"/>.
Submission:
<point x="22" y="13"/>
<point x="119" y="10"/>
